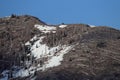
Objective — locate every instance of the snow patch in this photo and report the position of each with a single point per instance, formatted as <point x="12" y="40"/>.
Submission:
<point x="45" y="28"/>
<point x="21" y="73"/>
<point x="62" y="26"/>
<point x="38" y="50"/>
<point x="56" y="60"/>
<point x="28" y="42"/>
<point x="5" y="75"/>
<point x="92" y="26"/>
<point x="52" y="55"/>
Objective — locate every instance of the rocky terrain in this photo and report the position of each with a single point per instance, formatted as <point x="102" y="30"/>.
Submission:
<point x="30" y="49"/>
<point x="14" y="32"/>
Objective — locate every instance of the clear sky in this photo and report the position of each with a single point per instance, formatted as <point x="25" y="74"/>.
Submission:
<point x="95" y="12"/>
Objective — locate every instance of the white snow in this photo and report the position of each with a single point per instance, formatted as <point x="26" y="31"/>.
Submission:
<point x="7" y="16"/>
<point x="54" y="55"/>
<point x="63" y="26"/>
<point x="39" y="50"/>
<point x="34" y="38"/>
<point x="45" y="28"/>
<point x="56" y="60"/>
<point x="92" y="26"/>
<point x="28" y="42"/>
<point x="5" y="75"/>
<point x="21" y="73"/>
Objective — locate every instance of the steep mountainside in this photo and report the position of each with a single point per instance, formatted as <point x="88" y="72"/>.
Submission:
<point x="33" y="50"/>
<point x="14" y="32"/>
<point x="95" y="57"/>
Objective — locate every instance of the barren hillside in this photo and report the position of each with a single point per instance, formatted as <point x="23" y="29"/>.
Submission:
<point x="33" y="50"/>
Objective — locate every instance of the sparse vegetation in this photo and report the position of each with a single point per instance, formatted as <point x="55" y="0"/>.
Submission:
<point x="95" y="56"/>
<point x="13" y="33"/>
<point x="101" y="44"/>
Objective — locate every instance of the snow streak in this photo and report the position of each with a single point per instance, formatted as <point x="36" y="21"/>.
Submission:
<point x="43" y="56"/>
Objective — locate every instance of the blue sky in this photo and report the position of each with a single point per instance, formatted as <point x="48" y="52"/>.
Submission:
<point x="95" y="12"/>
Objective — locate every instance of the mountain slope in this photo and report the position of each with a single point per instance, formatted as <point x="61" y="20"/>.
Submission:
<point x="96" y="57"/>
<point x="35" y="50"/>
<point x="15" y="31"/>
